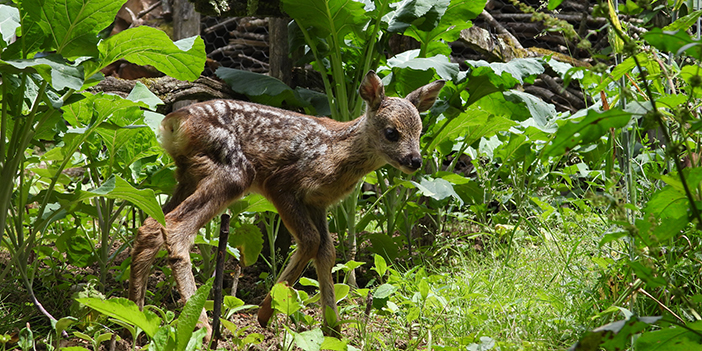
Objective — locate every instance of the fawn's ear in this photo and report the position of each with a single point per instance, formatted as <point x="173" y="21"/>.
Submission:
<point x="423" y="98"/>
<point x="372" y="90"/>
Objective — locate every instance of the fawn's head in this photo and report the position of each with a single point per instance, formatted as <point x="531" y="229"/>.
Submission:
<point x="394" y="125"/>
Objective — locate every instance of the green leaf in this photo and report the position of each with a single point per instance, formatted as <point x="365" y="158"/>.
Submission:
<point x="437" y="188"/>
<point x="683" y="23"/>
<point x="117" y="188"/>
<point x="384" y="291"/>
<point x="140" y="93"/>
<point x="9" y="22"/>
<point x="440" y="64"/>
<point x="124" y="310"/>
<point x="327" y="17"/>
<point x="190" y="315"/>
<point x="380" y="265"/>
<point x="52" y="68"/>
<point x="424" y="14"/>
<point x="252" y="203"/>
<point x="249" y="240"/>
<point x="672" y="338"/>
<point x="585" y="131"/>
<point x="74" y="25"/>
<point x="78" y="249"/>
<point x="184" y="59"/>
<point x="310" y="340"/>
<point x="334" y="344"/>
<point x="552" y="4"/>
<point x="614" y="336"/>
<point x="677" y="42"/>
<point x="539" y="110"/>
<point x="341" y="291"/>
<point x="285" y="299"/>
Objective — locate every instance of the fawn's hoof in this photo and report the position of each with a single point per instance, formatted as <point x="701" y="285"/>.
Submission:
<point x="265" y="312"/>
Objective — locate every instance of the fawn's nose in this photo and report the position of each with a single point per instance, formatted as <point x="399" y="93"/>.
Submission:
<point x="413" y="162"/>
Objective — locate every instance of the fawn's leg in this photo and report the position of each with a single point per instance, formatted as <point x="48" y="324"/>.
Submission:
<point x="324" y="262"/>
<point x="298" y="219"/>
<point x="150" y="238"/>
<point x="222" y="184"/>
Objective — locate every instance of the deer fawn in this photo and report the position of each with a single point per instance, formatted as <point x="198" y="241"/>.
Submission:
<point x="302" y="164"/>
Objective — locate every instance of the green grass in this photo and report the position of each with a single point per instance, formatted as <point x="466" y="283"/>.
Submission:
<point x="533" y="292"/>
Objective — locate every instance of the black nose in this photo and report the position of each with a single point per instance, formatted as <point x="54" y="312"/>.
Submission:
<point x="413" y="162"/>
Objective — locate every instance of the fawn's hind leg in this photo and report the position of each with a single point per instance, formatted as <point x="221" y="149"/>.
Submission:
<point x="149" y="240"/>
<point x="219" y="186"/>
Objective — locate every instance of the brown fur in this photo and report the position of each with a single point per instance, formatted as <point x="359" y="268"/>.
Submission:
<point x="302" y="164"/>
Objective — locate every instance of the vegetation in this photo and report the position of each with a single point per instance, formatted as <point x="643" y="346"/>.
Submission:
<point x="575" y="229"/>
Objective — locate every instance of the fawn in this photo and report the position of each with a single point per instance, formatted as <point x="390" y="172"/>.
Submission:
<point x="301" y="164"/>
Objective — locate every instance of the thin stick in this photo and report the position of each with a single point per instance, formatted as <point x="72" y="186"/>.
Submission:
<point x="219" y="274"/>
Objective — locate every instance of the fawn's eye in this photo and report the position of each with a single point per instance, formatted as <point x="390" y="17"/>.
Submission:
<point x="392" y="134"/>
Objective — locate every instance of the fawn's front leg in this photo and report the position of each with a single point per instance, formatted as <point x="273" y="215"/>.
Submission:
<point x="309" y="228"/>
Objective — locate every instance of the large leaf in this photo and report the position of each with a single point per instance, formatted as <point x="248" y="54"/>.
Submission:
<point x="52" y="68"/>
<point x="613" y="336"/>
<point x="439" y="63"/>
<point x="585" y="131"/>
<point x="73" y="26"/>
<point x="117" y="188"/>
<point x="184" y="59"/>
<point x="327" y="17"/>
<point x="437" y="188"/>
<point x="286" y="300"/>
<point x="125" y="310"/>
<point x="677" y="42"/>
<point x="424" y="14"/>
<point x="190" y="315"/>
<point x="9" y="22"/>
<point x="673" y="338"/>
<point x="249" y="240"/>
<point x="538" y="109"/>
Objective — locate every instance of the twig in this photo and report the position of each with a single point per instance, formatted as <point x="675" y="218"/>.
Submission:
<point x="660" y="304"/>
<point x="219" y="274"/>
<point x="143" y="13"/>
<point x="219" y="25"/>
<point x="500" y="29"/>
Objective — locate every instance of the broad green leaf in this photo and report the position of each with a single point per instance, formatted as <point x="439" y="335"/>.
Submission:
<point x="424" y="14"/>
<point x="677" y="42"/>
<point x="327" y="17"/>
<point x="184" y="59"/>
<point x="9" y="22"/>
<point x="125" y="310"/>
<point x="384" y="291"/>
<point x="384" y="245"/>
<point x="613" y="336"/>
<point x="52" y="68"/>
<point x="672" y="338"/>
<point x="439" y="63"/>
<point x="74" y="25"/>
<point x="285" y="299"/>
<point x="249" y="240"/>
<point x="252" y="203"/>
<point x="552" y="4"/>
<point x="190" y="315"/>
<point x="32" y="36"/>
<point x="539" y="110"/>
<point x="341" y="291"/>
<point x="585" y="131"/>
<point x="310" y="340"/>
<point x="380" y="265"/>
<point x="334" y="344"/>
<point x="437" y="189"/>
<point x="683" y="23"/>
<point x="141" y="93"/>
<point x="78" y="249"/>
<point x="117" y="188"/>
<point x="521" y="69"/>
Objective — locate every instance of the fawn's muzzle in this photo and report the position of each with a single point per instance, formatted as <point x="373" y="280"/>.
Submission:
<point x="412" y="162"/>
